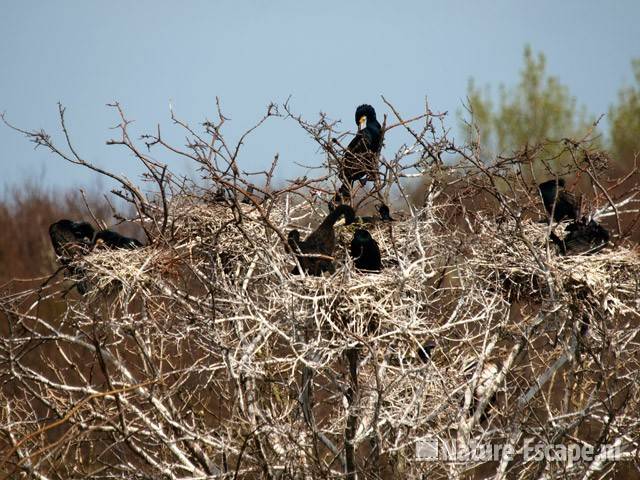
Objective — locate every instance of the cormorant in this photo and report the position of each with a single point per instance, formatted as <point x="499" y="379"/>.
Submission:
<point x="557" y="200"/>
<point x="582" y="237"/>
<point x="383" y="215"/>
<point x="220" y="195"/>
<point x="112" y="239"/>
<point x="251" y="197"/>
<point x="71" y="240"/>
<point x="384" y="212"/>
<point x="365" y="251"/>
<point x="360" y="161"/>
<point x="320" y="242"/>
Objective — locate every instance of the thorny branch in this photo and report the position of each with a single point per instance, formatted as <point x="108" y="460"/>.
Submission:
<point x="202" y="356"/>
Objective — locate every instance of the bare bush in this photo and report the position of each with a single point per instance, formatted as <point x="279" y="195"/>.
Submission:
<point x="202" y="356"/>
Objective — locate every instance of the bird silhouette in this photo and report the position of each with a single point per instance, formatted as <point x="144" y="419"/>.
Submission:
<point x="360" y="160"/>
<point x="70" y="241"/>
<point x="582" y="237"/>
<point x="70" y="238"/>
<point x="113" y="240"/>
<point x="383" y="215"/>
<point x="314" y="253"/>
<point x="365" y="251"/>
<point x="558" y="201"/>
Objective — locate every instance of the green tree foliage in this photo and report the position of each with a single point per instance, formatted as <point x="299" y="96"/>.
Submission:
<point x="539" y="108"/>
<point x="624" y="121"/>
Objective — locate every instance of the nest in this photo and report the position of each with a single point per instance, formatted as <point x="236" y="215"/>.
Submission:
<point x="220" y="281"/>
<point x="202" y="356"/>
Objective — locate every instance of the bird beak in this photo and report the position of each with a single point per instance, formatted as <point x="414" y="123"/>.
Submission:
<point x="362" y="123"/>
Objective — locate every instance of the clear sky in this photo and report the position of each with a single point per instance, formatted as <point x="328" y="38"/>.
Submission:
<point x="329" y="56"/>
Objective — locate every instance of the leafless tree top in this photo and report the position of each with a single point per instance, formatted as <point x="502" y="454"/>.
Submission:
<point x="202" y="356"/>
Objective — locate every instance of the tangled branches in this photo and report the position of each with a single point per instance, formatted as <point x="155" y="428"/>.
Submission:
<point x="202" y="356"/>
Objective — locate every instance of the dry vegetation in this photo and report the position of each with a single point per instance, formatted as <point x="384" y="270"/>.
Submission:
<point x="201" y="356"/>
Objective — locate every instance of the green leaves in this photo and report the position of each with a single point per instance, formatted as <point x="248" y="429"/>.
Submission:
<point x="624" y="120"/>
<point x="537" y="110"/>
<point x="540" y="110"/>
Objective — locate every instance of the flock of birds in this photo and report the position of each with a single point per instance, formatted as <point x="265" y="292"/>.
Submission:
<point x="314" y="254"/>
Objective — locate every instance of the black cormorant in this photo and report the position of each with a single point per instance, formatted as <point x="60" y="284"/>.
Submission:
<point x="251" y="198"/>
<point x="112" y="239"/>
<point x="365" y="251"/>
<point x="582" y="237"/>
<point x="383" y="215"/>
<point x="321" y="241"/>
<point x="220" y="195"/>
<point x="557" y="200"/>
<point x="71" y="240"/>
<point x="360" y="161"/>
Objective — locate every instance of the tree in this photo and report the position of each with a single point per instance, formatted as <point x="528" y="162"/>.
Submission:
<point x="538" y="109"/>
<point x="202" y="356"/>
<point x="624" y="120"/>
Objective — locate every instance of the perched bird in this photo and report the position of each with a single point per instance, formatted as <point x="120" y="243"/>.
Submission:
<point x="112" y="239"/>
<point x="360" y="160"/>
<point x="71" y="240"/>
<point x="582" y="237"/>
<point x="383" y="215"/>
<point x="315" y="251"/>
<point x="365" y="251"/>
<point x="251" y="197"/>
<point x="220" y="195"/>
<point x="424" y="351"/>
<point x="558" y="201"/>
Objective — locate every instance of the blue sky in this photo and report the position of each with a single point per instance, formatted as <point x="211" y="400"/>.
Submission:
<point x="329" y="56"/>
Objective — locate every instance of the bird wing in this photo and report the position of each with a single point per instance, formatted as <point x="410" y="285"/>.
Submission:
<point x="590" y="238"/>
<point x="352" y="161"/>
<point x="113" y="239"/>
<point x="358" y="144"/>
<point x="320" y="241"/>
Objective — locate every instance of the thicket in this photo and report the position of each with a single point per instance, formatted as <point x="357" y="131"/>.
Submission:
<point x="202" y="356"/>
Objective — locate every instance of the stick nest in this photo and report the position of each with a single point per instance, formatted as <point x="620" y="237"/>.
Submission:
<point x="221" y="277"/>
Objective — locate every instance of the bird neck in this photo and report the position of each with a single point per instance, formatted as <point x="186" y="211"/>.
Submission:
<point x="333" y="217"/>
